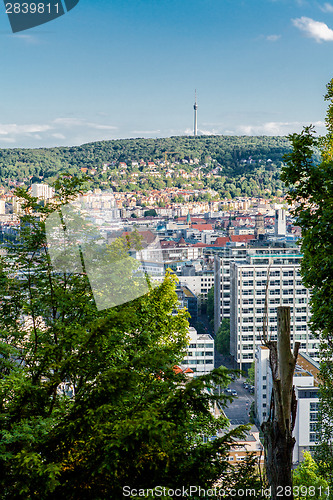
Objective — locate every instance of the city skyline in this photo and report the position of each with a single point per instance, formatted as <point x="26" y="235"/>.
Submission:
<point x="129" y="69"/>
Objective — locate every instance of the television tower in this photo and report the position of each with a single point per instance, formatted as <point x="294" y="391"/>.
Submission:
<point x="195" y="115"/>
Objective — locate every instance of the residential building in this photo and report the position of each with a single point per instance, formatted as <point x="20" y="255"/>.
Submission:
<point x="200" y="284"/>
<point x="243" y="447"/>
<point x="248" y="285"/>
<point x="200" y="354"/>
<point x="189" y="300"/>
<point x="280" y="223"/>
<point x="232" y="251"/>
<point x="42" y="191"/>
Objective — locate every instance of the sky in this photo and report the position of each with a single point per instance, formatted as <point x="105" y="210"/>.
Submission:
<point x="112" y="69"/>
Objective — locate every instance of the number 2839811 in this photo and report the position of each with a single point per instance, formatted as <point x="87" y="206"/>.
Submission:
<point x="32" y="8"/>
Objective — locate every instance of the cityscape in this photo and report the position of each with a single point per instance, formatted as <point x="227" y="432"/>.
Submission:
<point x="166" y="250"/>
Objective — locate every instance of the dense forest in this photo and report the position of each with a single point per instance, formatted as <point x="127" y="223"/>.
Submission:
<point x="231" y="165"/>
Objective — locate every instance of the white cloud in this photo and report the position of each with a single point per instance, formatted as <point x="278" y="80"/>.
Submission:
<point x="29" y="39"/>
<point x="266" y="128"/>
<point x="14" y="130"/>
<point x="58" y="136"/>
<point x="273" y="38"/>
<point x="314" y="29"/>
<point x="277" y="128"/>
<point x="77" y="122"/>
<point x="327" y="7"/>
<point x="57" y="132"/>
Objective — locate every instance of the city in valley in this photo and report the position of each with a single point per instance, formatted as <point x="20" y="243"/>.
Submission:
<point x="229" y="254"/>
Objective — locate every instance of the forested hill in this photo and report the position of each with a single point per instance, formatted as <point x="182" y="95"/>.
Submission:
<point x="245" y="165"/>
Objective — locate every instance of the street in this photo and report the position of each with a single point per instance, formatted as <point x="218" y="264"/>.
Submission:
<point x="238" y="410"/>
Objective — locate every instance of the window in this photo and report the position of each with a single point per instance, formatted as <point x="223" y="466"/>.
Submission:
<point x="314" y="406"/>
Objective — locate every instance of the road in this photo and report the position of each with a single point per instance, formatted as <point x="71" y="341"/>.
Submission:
<point x="238" y="410"/>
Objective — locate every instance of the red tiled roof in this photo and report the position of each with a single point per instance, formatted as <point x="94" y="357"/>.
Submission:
<point x="168" y="244"/>
<point x="147" y="236"/>
<point x="242" y="237"/>
<point x="221" y="241"/>
<point x="196" y="220"/>
<point x="202" y="227"/>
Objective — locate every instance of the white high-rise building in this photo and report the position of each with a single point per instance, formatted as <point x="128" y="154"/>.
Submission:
<point x="248" y="281"/>
<point x="305" y="381"/>
<point x="200" y="355"/>
<point x="2" y="207"/>
<point x="42" y="191"/>
<point x="280" y="223"/>
<point x="222" y="276"/>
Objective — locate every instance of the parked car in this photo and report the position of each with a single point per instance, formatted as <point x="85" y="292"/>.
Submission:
<point x="234" y="393"/>
<point x="251" y="389"/>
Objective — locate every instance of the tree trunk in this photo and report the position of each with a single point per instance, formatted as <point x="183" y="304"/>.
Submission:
<point x="278" y="439"/>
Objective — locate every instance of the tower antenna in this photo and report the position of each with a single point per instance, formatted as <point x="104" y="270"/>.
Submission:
<point x="195" y="115"/>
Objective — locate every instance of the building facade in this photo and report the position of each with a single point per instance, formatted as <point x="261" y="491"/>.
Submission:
<point x="247" y="304"/>
<point x="200" y="354"/>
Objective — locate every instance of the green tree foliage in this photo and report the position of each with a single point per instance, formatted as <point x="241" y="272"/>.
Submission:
<point x="250" y="374"/>
<point x="150" y="213"/>
<point x="307" y="481"/>
<point x="247" y="166"/>
<point x="90" y="400"/>
<point x="222" y="341"/>
<point x="309" y="178"/>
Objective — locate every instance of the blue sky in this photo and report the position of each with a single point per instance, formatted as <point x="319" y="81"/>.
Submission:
<point x="123" y="68"/>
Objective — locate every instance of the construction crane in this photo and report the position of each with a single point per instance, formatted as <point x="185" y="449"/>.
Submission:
<point x="166" y="153"/>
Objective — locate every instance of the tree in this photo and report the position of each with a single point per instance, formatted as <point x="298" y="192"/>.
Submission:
<point x="251" y="374"/>
<point x="222" y="341"/>
<point x="308" y="175"/>
<point x="90" y="399"/>
<point x="307" y="482"/>
<point x="278" y="439"/>
<point x="150" y="213"/>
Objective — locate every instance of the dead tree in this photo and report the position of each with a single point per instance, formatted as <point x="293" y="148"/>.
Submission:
<point x="278" y="440"/>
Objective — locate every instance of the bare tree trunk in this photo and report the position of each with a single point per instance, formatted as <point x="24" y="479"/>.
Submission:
<point x="278" y="439"/>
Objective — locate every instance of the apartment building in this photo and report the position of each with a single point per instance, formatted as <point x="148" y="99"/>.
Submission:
<point x="306" y="389"/>
<point x="200" y="354"/>
<point x="237" y="252"/>
<point x="42" y="191"/>
<point x="200" y="284"/>
<point x="248" y="280"/>
<point x="222" y="263"/>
